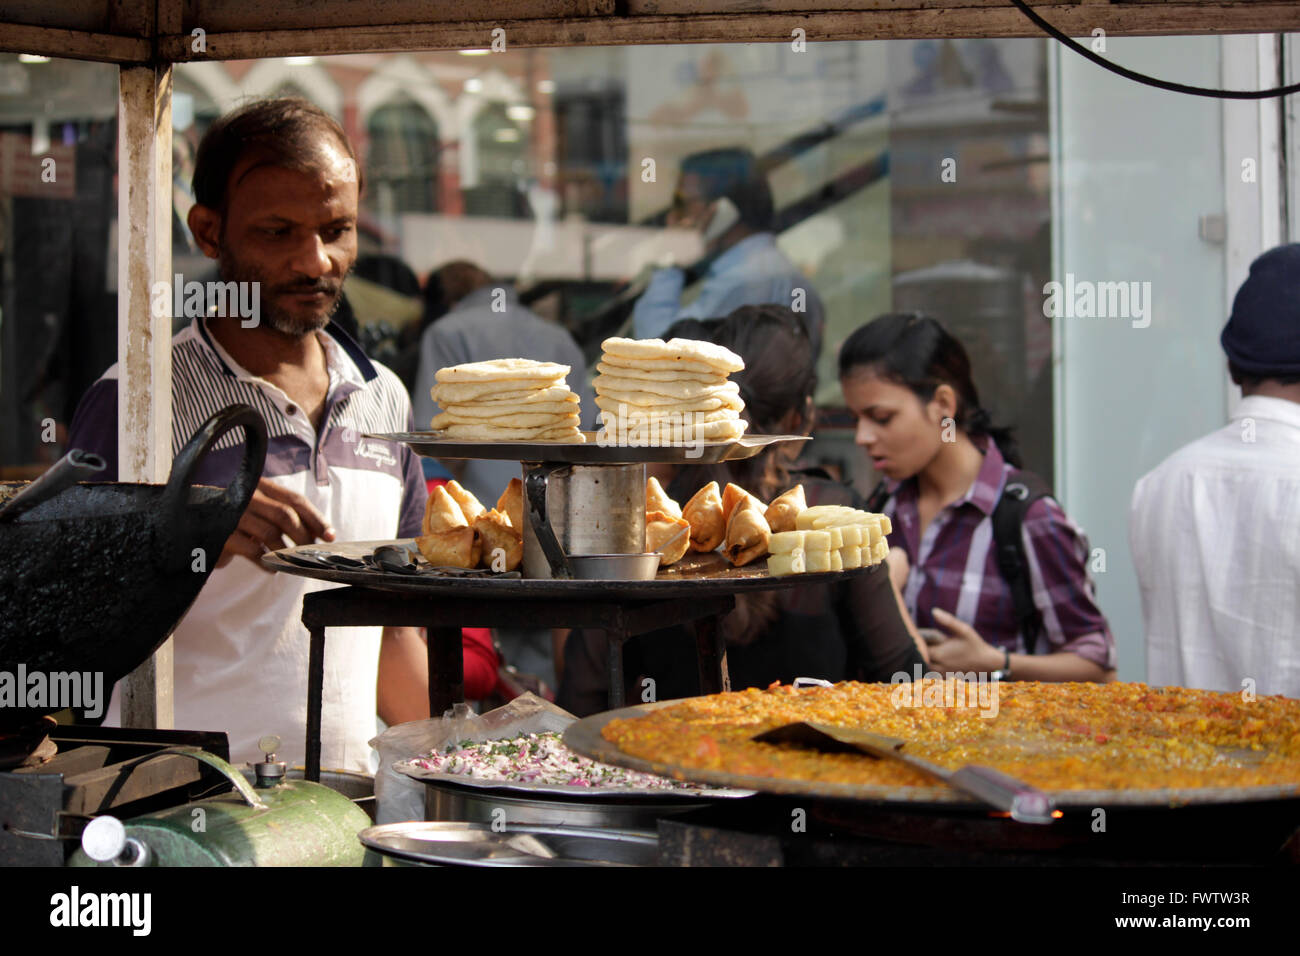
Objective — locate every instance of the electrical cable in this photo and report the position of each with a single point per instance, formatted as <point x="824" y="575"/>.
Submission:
<point x="1151" y="80"/>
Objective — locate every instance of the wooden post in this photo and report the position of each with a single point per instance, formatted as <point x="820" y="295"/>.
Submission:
<point x="144" y="413"/>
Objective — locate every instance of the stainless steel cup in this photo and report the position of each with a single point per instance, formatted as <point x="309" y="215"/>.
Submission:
<point x="580" y="509"/>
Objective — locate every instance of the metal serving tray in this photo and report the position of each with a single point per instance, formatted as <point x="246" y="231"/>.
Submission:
<point x="519" y="788"/>
<point x="592" y="452"/>
<point x="452" y="802"/>
<point x="700" y="575"/>
<point x="584" y="736"/>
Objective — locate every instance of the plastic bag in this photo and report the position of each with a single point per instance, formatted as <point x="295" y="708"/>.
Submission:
<point x="399" y="798"/>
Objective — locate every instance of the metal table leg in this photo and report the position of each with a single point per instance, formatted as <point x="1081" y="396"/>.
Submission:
<point x="315" y="689"/>
<point x="617" y="695"/>
<point x="711" y="655"/>
<point x="446" y="669"/>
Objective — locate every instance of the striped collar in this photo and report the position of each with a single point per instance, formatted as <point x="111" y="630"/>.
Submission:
<point x="344" y="341"/>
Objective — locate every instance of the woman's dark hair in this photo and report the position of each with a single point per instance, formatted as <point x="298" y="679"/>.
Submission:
<point x="286" y="130"/>
<point x="915" y="350"/>
<point x="779" y="377"/>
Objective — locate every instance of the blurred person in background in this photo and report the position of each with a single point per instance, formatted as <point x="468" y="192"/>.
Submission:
<point x="724" y="195"/>
<point x="952" y="480"/>
<point x="1215" y="528"/>
<point x="851" y="630"/>
<point x="473" y="318"/>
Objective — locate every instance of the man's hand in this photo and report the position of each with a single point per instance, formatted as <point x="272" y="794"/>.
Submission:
<point x="965" y="650"/>
<point x="272" y="514"/>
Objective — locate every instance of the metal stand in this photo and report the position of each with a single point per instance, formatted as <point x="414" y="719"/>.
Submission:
<point x="617" y="616"/>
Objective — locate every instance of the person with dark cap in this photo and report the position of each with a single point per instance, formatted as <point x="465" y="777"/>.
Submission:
<point x="1215" y="528"/>
<point x="725" y="195"/>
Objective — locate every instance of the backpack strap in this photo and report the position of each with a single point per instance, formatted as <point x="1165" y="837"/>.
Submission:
<point x="1022" y="489"/>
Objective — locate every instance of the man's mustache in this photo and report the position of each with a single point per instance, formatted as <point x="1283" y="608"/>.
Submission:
<point x="307" y="288"/>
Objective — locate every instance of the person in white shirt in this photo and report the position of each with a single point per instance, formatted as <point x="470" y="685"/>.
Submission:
<point x="276" y="187"/>
<point x="1215" y="528"/>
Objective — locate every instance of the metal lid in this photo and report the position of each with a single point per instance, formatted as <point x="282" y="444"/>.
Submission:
<point x="269" y="772"/>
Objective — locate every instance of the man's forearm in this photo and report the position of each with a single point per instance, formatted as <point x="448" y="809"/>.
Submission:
<point x="403" y="689"/>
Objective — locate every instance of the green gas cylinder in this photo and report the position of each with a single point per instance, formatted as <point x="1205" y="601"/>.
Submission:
<point x="277" y="822"/>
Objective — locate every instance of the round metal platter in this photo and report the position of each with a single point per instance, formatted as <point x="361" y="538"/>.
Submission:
<point x="701" y="575"/>
<point x="477" y="844"/>
<point x="585" y="737"/>
<point x="521" y="788"/>
<point x="591" y="452"/>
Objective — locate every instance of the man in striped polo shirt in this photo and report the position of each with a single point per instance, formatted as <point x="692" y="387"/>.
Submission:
<point x="277" y="187"/>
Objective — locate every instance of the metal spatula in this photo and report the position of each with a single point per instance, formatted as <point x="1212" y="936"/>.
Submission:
<point x="1024" y="803"/>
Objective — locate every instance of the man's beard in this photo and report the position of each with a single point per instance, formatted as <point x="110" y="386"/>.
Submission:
<point x="234" y="269"/>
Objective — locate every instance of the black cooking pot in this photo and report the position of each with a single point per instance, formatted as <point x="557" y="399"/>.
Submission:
<point x="96" y="578"/>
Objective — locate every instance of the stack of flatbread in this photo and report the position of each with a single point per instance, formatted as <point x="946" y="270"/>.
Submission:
<point x="652" y="392"/>
<point x="506" y="400"/>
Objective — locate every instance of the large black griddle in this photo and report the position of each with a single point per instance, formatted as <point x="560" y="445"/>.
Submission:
<point x="584" y="736"/>
<point x="96" y="578"/>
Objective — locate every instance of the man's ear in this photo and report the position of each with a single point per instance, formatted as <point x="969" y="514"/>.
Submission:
<point x="205" y="224"/>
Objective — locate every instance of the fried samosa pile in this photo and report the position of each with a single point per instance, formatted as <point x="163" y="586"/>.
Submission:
<point x="460" y="533"/>
<point x="798" y="538"/>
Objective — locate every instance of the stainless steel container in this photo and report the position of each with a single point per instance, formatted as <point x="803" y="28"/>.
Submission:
<point x="473" y="844"/>
<point x="454" y="802"/>
<point x="580" y="509"/>
<point x="615" y="567"/>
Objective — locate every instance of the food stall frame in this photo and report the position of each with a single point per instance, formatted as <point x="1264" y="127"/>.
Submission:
<point x="146" y="37"/>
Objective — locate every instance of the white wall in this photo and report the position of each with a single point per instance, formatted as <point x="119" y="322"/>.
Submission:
<point x="1134" y="169"/>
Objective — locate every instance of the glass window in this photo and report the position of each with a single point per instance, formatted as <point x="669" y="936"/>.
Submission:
<point x="501" y="146"/>
<point x="904" y="175"/>
<point x="58" y="265"/>
<point x="402" y="165"/>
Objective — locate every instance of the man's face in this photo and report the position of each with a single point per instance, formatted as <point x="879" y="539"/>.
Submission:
<point x="295" y="232"/>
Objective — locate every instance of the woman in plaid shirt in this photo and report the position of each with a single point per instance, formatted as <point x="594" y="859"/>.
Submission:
<point x="908" y="382"/>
